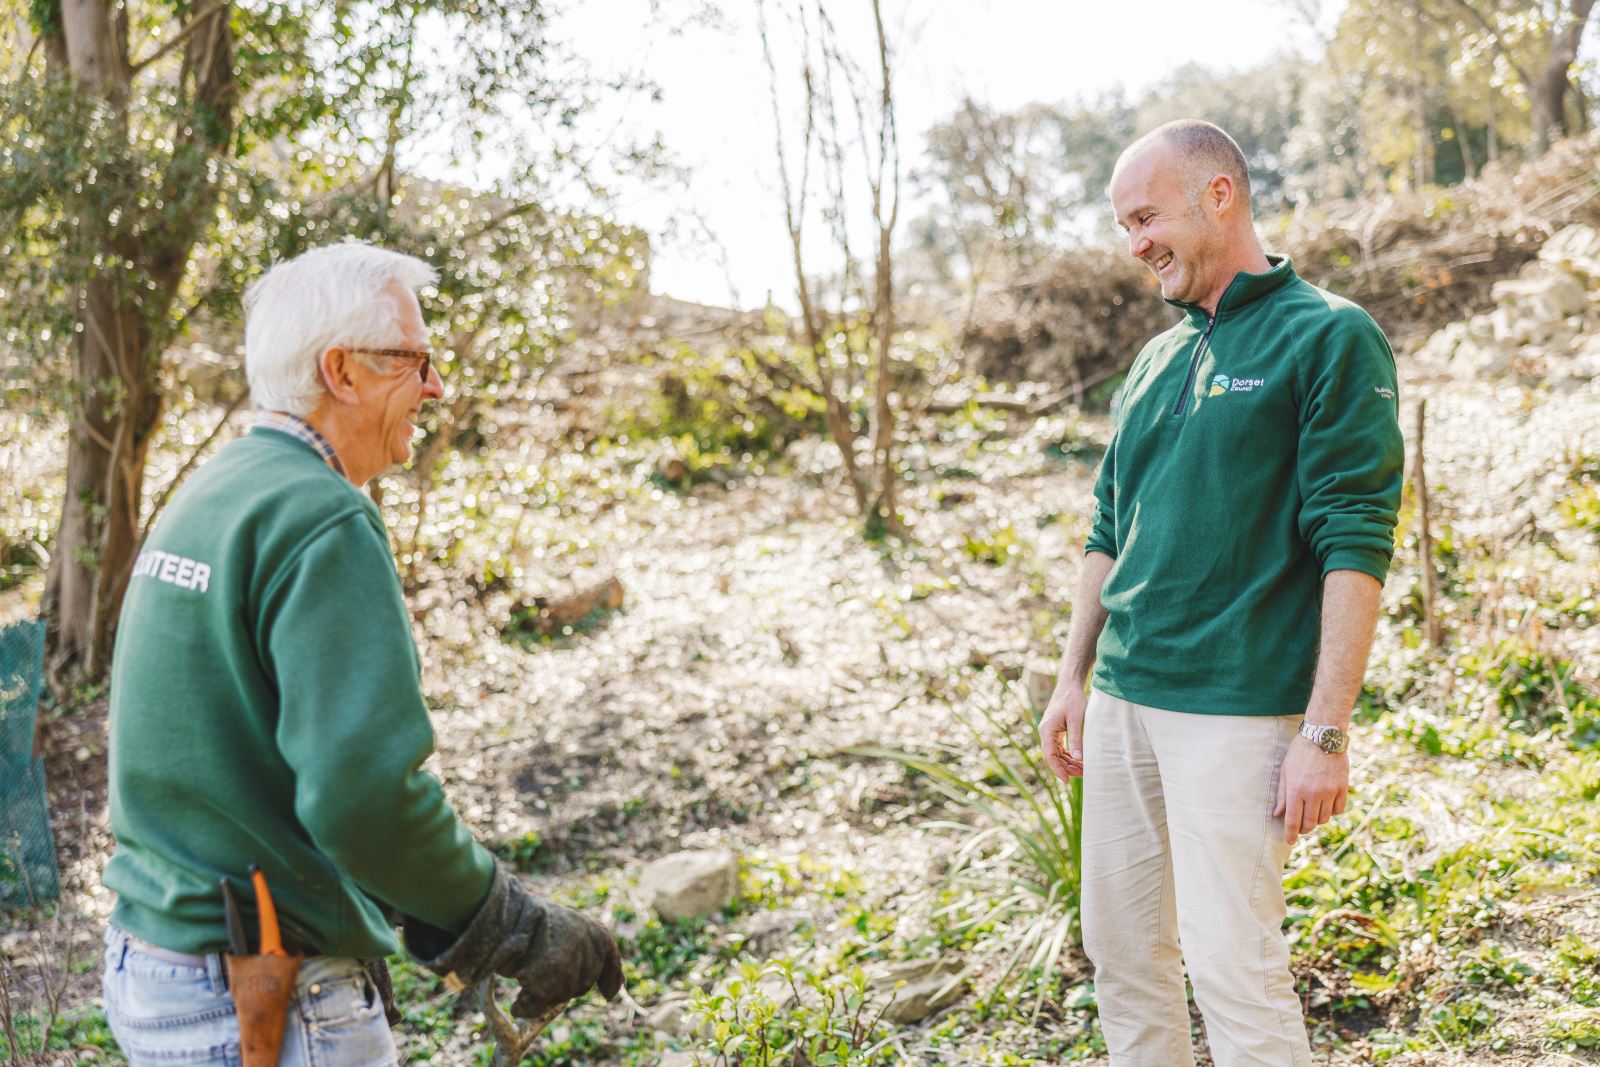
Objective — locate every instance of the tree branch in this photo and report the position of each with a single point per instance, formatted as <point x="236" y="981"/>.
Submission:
<point x="182" y="35"/>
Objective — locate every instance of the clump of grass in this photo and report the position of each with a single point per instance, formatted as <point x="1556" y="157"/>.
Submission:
<point x="1017" y="878"/>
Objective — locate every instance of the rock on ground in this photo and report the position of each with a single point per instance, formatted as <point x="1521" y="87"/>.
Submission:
<point x="691" y="885"/>
<point x="928" y="986"/>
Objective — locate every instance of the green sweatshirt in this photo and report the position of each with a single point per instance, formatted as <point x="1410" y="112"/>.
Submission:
<point x="1254" y="452"/>
<point x="266" y="708"/>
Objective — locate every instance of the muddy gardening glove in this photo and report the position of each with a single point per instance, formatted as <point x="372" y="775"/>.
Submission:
<point x="554" y="953"/>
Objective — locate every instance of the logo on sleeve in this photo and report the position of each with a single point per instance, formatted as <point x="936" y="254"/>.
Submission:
<point x="180" y="571"/>
<point x="1224" y="384"/>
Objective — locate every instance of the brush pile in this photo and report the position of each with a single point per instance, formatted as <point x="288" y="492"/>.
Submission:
<point x="1419" y="260"/>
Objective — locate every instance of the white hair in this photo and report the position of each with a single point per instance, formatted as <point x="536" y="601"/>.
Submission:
<point x="321" y="299"/>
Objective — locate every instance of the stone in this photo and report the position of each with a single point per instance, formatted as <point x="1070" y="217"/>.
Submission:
<point x="765" y="933"/>
<point x="919" y="988"/>
<point x="1550" y="294"/>
<point x="676" y="1059"/>
<point x="691" y="885"/>
<point x="1505" y="323"/>
<point x="1576" y="250"/>
<point x="669" y="1016"/>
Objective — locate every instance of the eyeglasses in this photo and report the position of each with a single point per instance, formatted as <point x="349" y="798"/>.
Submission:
<point x="401" y="353"/>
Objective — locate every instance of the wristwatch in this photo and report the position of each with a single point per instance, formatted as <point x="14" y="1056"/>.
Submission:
<point x="1330" y="739"/>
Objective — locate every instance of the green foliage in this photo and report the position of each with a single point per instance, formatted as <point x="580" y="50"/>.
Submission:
<point x="1460" y="1022"/>
<point x="1580" y="506"/>
<point x="523" y="852"/>
<point x="994" y="547"/>
<point x="768" y="881"/>
<point x="1017" y="878"/>
<point x="1574" y="1028"/>
<point x="724" y="406"/>
<point x="1400" y="913"/>
<point x="664" y="952"/>
<point x="1538" y="691"/>
<point x="780" y="1014"/>
<point x="83" y="1030"/>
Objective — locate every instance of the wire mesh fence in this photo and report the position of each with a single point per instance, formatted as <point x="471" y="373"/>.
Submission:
<point x="27" y="849"/>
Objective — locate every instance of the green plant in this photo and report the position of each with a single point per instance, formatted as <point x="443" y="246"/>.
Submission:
<point x="1575" y="1028"/>
<point x="1018" y="875"/>
<point x="1460" y="1022"/>
<point x="779" y="1014"/>
<point x="1538" y="690"/>
<point x="994" y="547"/>
<point x="521" y="852"/>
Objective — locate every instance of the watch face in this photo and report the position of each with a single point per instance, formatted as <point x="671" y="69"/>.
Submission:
<point x="1330" y="739"/>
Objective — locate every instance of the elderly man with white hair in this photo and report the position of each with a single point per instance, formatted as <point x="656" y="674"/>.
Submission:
<point x="266" y="710"/>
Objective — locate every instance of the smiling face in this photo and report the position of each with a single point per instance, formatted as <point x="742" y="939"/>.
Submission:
<point x="370" y="412"/>
<point x="398" y="391"/>
<point x="1172" y="226"/>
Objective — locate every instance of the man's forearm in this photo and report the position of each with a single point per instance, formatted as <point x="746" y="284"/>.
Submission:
<point x="1349" y="616"/>
<point x="1088" y="619"/>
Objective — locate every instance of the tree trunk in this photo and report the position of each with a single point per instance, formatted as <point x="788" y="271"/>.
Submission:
<point x="884" y="468"/>
<point x="122" y="312"/>
<point x="1422" y="158"/>
<point x="99" y="531"/>
<point x="1469" y="164"/>
<point x="1549" y="90"/>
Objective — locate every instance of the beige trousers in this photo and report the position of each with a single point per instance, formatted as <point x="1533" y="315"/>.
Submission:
<point x="1180" y="847"/>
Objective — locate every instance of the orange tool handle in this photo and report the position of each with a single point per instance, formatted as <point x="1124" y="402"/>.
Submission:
<point x="271" y="939"/>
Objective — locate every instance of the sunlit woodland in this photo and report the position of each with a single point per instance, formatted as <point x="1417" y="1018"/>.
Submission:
<point x="784" y="583"/>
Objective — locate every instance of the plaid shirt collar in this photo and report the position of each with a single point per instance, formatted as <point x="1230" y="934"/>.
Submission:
<point x="300" y="430"/>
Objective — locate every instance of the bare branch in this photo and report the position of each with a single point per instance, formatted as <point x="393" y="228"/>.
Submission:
<point x="182" y="35"/>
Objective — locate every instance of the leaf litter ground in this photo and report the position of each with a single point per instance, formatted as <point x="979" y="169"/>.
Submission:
<point x="761" y="637"/>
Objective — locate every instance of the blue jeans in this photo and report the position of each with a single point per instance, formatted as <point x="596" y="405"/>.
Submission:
<point x="165" y="1014"/>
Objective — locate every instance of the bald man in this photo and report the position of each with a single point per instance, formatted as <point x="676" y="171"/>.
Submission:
<point x="1244" y="521"/>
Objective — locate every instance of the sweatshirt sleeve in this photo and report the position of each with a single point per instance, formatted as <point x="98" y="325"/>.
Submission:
<point x="1351" y="454"/>
<point x="354" y="729"/>
<point x="1103" y="524"/>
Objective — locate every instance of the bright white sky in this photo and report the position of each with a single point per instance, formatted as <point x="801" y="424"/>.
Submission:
<point x="716" y="117"/>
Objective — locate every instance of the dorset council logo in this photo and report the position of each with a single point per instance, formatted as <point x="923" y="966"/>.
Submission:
<point x="1219" y="385"/>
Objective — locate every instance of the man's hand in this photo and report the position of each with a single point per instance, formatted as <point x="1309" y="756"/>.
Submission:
<point x="1312" y="786"/>
<point x="1061" y="732"/>
<point x="554" y="953"/>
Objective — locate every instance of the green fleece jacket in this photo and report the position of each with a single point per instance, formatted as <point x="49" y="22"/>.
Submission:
<point x="1254" y="452"/>
<point x="266" y="708"/>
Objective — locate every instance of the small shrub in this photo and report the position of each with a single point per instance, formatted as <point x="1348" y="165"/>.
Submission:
<point x="779" y="1014"/>
<point x="725" y="403"/>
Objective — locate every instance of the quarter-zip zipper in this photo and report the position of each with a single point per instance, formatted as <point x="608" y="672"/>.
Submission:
<point x="1194" y="366"/>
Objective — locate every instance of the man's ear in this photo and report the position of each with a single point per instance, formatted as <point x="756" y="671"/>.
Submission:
<point x="1220" y="194"/>
<point x="336" y="365"/>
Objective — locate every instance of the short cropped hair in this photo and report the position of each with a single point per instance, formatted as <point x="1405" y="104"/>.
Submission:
<point x="323" y="298"/>
<point x="1204" y="150"/>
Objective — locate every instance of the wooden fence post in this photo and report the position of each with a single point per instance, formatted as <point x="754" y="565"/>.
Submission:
<point x="1419" y="487"/>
